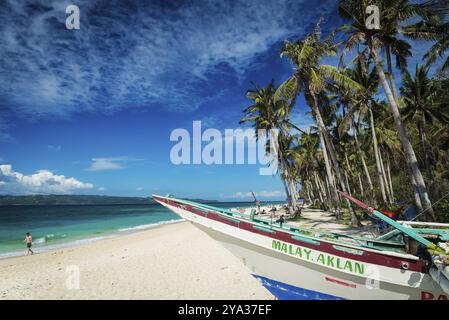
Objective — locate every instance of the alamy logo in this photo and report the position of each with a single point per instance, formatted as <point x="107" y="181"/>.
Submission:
<point x="372" y="21"/>
<point x="227" y="148"/>
<point x="373" y="277"/>
<point x="73" y="20"/>
<point x="72" y="282"/>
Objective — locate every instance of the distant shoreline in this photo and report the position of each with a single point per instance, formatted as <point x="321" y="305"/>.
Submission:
<point x="78" y="200"/>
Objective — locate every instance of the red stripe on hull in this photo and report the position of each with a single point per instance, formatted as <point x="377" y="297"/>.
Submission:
<point x="368" y="256"/>
<point x="341" y="282"/>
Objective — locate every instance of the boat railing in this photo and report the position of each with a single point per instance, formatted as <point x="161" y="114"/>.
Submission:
<point x="311" y="233"/>
<point x="428" y="224"/>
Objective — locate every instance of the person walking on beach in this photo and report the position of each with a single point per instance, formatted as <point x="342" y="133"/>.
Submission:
<point x="29" y="241"/>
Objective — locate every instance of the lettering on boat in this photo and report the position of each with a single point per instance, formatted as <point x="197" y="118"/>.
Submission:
<point x="324" y="259"/>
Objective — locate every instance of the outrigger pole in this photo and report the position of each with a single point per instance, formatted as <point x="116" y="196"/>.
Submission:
<point x="257" y="202"/>
<point x="408" y="231"/>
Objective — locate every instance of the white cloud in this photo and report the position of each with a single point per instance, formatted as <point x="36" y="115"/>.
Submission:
<point x="136" y="55"/>
<point x="261" y="194"/>
<point x="43" y="181"/>
<point x="102" y="164"/>
<point x="139" y="189"/>
<point x="54" y="147"/>
<point x="110" y="163"/>
<point x="101" y="189"/>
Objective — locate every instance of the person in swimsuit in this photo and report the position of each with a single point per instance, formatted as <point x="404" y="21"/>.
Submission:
<point x="29" y="241"/>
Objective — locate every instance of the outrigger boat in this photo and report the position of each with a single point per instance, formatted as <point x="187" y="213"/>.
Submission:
<point x="409" y="262"/>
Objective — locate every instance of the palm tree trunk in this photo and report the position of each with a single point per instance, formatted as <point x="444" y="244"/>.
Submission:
<point x="346" y="173"/>
<point x="319" y="191"/>
<point x="376" y="155"/>
<point x="354" y="220"/>
<point x="294" y="194"/>
<point x="328" y="188"/>
<point x="310" y="193"/>
<point x="324" y="189"/>
<point x="418" y="203"/>
<point x="320" y="186"/>
<point x="290" y="184"/>
<point x="362" y="158"/>
<point x="390" y="182"/>
<point x="327" y="142"/>
<point x="325" y="192"/>
<point x="395" y="95"/>
<point x="285" y="176"/>
<point x="362" y="191"/>
<point x="390" y="74"/>
<point x="287" y="193"/>
<point x="405" y="141"/>
<point x="422" y="135"/>
<point x="330" y="178"/>
<point x="347" y="183"/>
<point x="384" y="176"/>
<point x="282" y="168"/>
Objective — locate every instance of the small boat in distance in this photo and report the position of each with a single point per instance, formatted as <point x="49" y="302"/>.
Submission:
<point x="405" y="263"/>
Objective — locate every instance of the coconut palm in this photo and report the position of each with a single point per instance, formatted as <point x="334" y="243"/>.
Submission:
<point x="436" y="30"/>
<point x="388" y="144"/>
<point x="307" y="159"/>
<point x="268" y="113"/>
<point x="311" y="78"/>
<point x="420" y="97"/>
<point x="395" y="15"/>
<point x="359" y="103"/>
<point x="358" y="33"/>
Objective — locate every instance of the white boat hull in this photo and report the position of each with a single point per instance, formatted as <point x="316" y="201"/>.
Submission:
<point x="311" y="278"/>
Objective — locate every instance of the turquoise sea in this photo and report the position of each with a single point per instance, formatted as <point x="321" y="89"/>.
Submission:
<point x="59" y="226"/>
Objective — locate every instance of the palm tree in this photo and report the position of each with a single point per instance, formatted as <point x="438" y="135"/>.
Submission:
<point x="354" y="11"/>
<point x="360" y="103"/>
<point x="394" y="14"/>
<point x="311" y="78"/>
<point x="388" y="143"/>
<point x="308" y="161"/>
<point x="268" y="113"/>
<point x="436" y="30"/>
<point x="286" y="145"/>
<point x="420" y="96"/>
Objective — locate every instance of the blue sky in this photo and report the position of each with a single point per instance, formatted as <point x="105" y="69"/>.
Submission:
<point x="90" y="111"/>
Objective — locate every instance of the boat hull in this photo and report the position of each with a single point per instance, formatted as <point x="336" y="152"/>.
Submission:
<point x="272" y="260"/>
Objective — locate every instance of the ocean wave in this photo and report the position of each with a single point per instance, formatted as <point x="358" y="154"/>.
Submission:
<point x="150" y="225"/>
<point x="48" y="237"/>
<point x="46" y="248"/>
<point x="39" y="240"/>
<point x="43" y="245"/>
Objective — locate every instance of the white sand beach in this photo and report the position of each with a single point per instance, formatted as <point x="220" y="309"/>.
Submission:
<point x="174" y="261"/>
